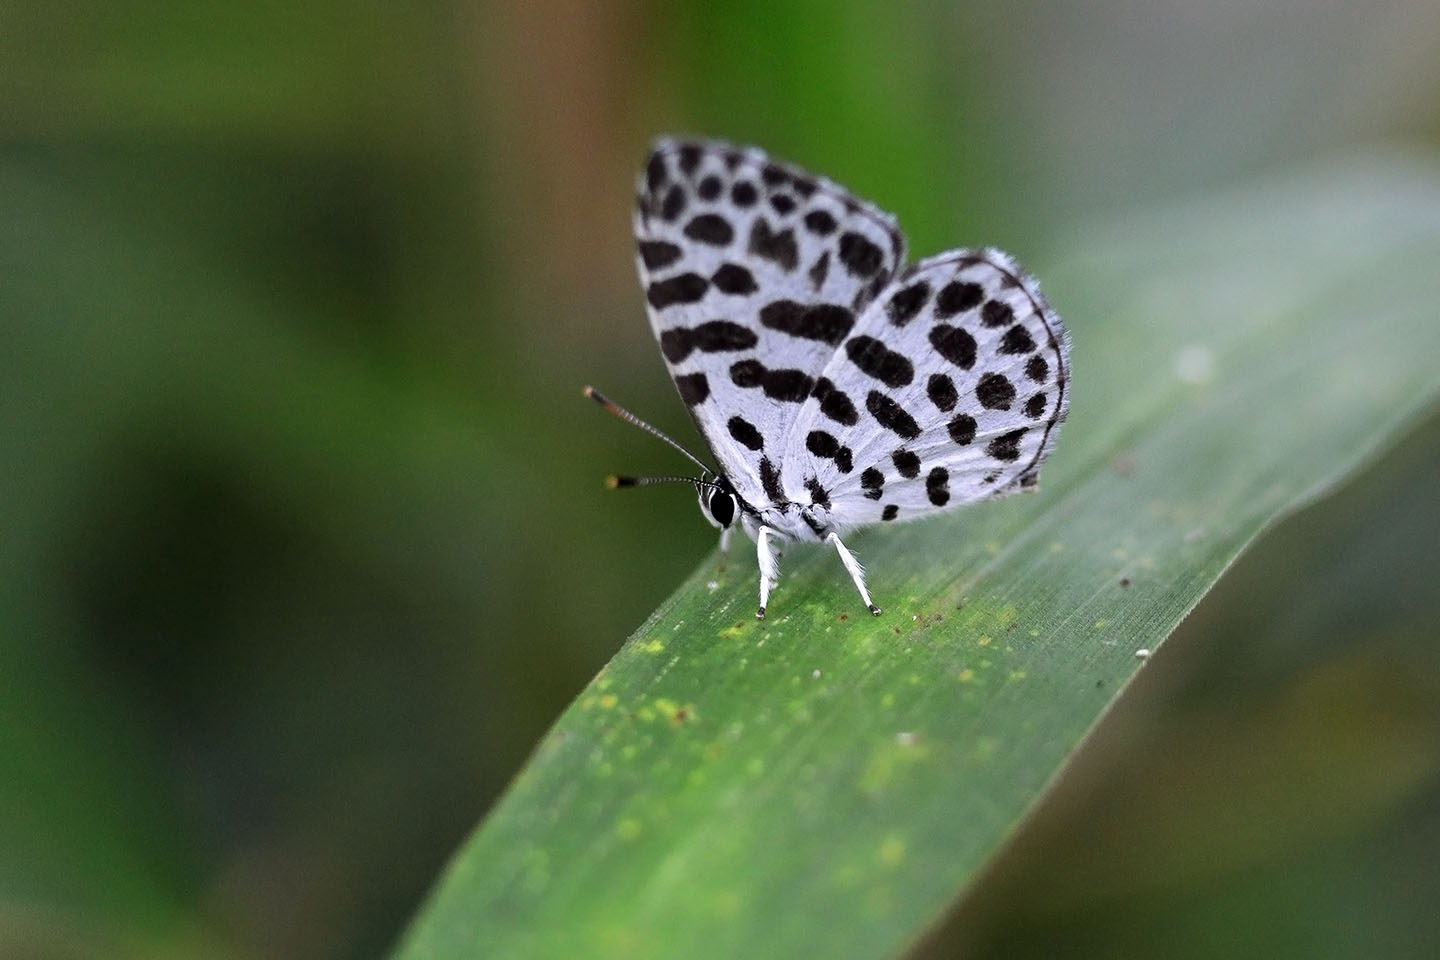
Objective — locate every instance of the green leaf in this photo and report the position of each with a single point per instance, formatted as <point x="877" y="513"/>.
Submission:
<point x="824" y="783"/>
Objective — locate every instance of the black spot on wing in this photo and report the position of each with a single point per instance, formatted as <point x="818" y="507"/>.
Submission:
<point x="655" y="173"/>
<point x="677" y="344"/>
<point x="747" y="373"/>
<point x="820" y="223"/>
<point x="962" y="429"/>
<point x="861" y="257"/>
<point x="879" y="361"/>
<point x="954" y="344"/>
<point x="792" y="386"/>
<point x="674" y="204"/>
<point x="1037" y="369"/>
<point x="937" y="486"/>
<point x="1006" y="447"/>
<point x="1017" y="340"/>
<point x="819" y="270"/>
<point x="872" y="481"/>
<point x="709" y="188"/>
<point x="684" y="288"/>
<point x="734" y="279"/>
<point x="744" y="432"/>
<point x="834" y="403"/>
<point x="826" y="322"/>
<point x="713" y="336"/>
<point x="721" y="336"/>
<point x="770" y="481"/>
<point x="777" y="247"/>
<point x="957" y="297"/>
<point x="689" y="159"/>
<point x="995" y="392"/>
<point x="710" y="228"/>
<point x="818" y="494"/>
<point x="782" y="202"/>
<point x="996" y="313"/>
<point x="774" y="175"/>
<point x="694" y="388"/>
<point x="891" y="415"/>
<point x="907" y="463"/>
<point x="657" y="253"/>
<point x="824" y="444"/>
<point x="903" y="307"/>
<point x="942" y="393"/>
<point x="891" y="512"/>
<point x="743" y="194"/>
<point x="1035" y="406"/>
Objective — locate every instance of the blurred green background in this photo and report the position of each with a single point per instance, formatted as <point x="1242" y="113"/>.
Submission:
<point x="303" y="539"/>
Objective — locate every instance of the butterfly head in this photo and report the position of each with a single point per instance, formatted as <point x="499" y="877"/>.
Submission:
<point x="718" y="501"/>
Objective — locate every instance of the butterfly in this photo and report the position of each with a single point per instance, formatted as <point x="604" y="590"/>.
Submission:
<point x="835" y="386"/>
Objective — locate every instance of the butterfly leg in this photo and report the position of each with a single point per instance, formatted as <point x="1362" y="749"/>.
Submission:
<point x="857" y="573"/>
<point x="769" y="567"/>
<point x="724" y="548"/>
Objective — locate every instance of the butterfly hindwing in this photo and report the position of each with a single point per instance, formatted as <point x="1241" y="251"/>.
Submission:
<point x="754" y="273"/>
<point x="957" y="379"/>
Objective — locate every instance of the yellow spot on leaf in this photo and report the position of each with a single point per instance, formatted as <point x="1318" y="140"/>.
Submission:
<point x="725" y="904"/>
<point x="609" y="700"/>
<point x="985" y="640"/>
<point x="966" y="676"/>
<point x="627" y="829"/>
<point x="892" y="851"/>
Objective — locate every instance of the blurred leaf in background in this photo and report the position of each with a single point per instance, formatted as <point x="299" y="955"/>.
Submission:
<point x="303" y="544"/>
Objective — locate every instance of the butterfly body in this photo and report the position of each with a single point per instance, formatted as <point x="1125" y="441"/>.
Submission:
<point x="836" y="386"/>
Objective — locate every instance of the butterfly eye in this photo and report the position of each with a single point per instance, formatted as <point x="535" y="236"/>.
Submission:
<point x="722" y="508"/>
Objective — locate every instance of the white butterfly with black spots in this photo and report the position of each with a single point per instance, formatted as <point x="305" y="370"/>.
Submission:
<point x="836" y="386"/>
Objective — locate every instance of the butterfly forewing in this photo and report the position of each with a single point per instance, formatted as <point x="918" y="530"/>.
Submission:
<point x="957" y="377"/>
<point x="755" y="273"/>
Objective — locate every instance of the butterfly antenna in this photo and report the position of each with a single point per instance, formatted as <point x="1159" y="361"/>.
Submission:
<point x="617" y="482"/>
<point x="630" y="418"/>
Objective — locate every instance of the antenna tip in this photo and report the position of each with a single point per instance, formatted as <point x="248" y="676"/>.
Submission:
<point x="588" y="391"/>
<point x="615" y="483"/>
